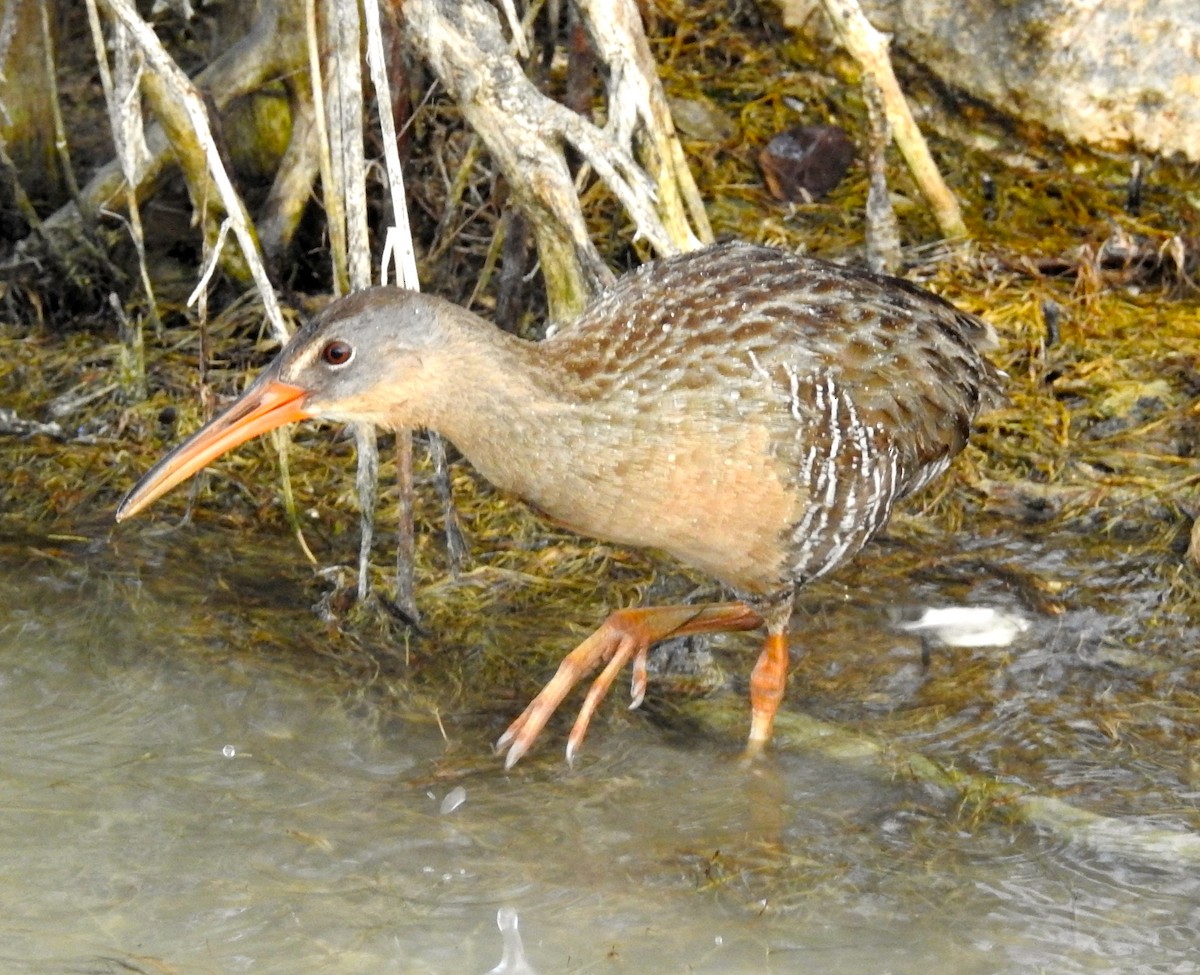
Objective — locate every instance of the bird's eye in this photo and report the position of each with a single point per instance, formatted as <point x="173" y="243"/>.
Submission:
<point x="337" y="353"/>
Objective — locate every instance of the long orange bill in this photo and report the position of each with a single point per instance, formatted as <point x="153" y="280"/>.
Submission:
<point x="267" y="404"/>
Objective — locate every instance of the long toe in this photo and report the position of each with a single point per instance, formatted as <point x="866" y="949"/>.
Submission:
<point x="629" y="647"/>
<point x="576" y="665"/>
<point x="522" y="733"/>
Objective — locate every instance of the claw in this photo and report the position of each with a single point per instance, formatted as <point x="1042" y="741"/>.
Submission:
<point x="514" y="753"/>
<point x="522" y="732"/>
<point x="637" y="683"/>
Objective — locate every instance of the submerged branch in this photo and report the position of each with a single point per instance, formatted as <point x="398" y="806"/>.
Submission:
<point x="795" y="732"/>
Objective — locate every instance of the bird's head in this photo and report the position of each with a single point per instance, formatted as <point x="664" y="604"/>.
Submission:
<point x="370" y="357"/>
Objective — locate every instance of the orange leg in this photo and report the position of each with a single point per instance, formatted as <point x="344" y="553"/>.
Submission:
<point x="627" y="635"/>
<point x="767" y="684"/>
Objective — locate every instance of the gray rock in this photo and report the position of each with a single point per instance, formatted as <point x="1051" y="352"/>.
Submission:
<point x="1115" y="74"/>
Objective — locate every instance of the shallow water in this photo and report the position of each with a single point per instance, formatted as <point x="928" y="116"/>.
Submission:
<point x="175" y="800"/>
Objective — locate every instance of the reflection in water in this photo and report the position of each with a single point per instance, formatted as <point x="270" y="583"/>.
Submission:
<point x="176" y="805"/>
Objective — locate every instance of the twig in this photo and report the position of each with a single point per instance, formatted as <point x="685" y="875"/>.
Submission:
<point x="60" y="131"/>
<point x="883" y="231"/>
<point x="131" y="372"/>
<point x="870" y="49"/>
<point x="343" y="99"/>
<point x="525" y="131"/>
<point x="406" y="547"/>
<point x="124" y="113"/>
<point x="639" y="119"/>
<point x="366" y="483"/>
<point x="282" y="443"/>
<point x="398" y="247"/>
<point x="345" y="112"/>
<point x="400" y="242"/>
<point x="193" y="104"/>
<point x="335" y="218"/>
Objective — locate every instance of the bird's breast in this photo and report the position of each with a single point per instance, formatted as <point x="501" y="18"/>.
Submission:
<point x="714" y="496"/>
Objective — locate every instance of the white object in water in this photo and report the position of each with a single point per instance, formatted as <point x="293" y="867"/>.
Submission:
<point x="512" y="962"/>
<point x="967" y="626"/>
<point x="454" y="798"/>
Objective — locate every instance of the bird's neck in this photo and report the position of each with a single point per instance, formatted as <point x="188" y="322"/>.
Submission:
<point x="507" y="407"/>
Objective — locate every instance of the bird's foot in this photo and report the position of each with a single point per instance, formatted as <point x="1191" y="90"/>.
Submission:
<point x="625" y="637"/>
<point x="615" y="642"/>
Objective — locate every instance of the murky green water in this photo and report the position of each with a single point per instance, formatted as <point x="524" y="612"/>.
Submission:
<point x="174" y="801"/>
